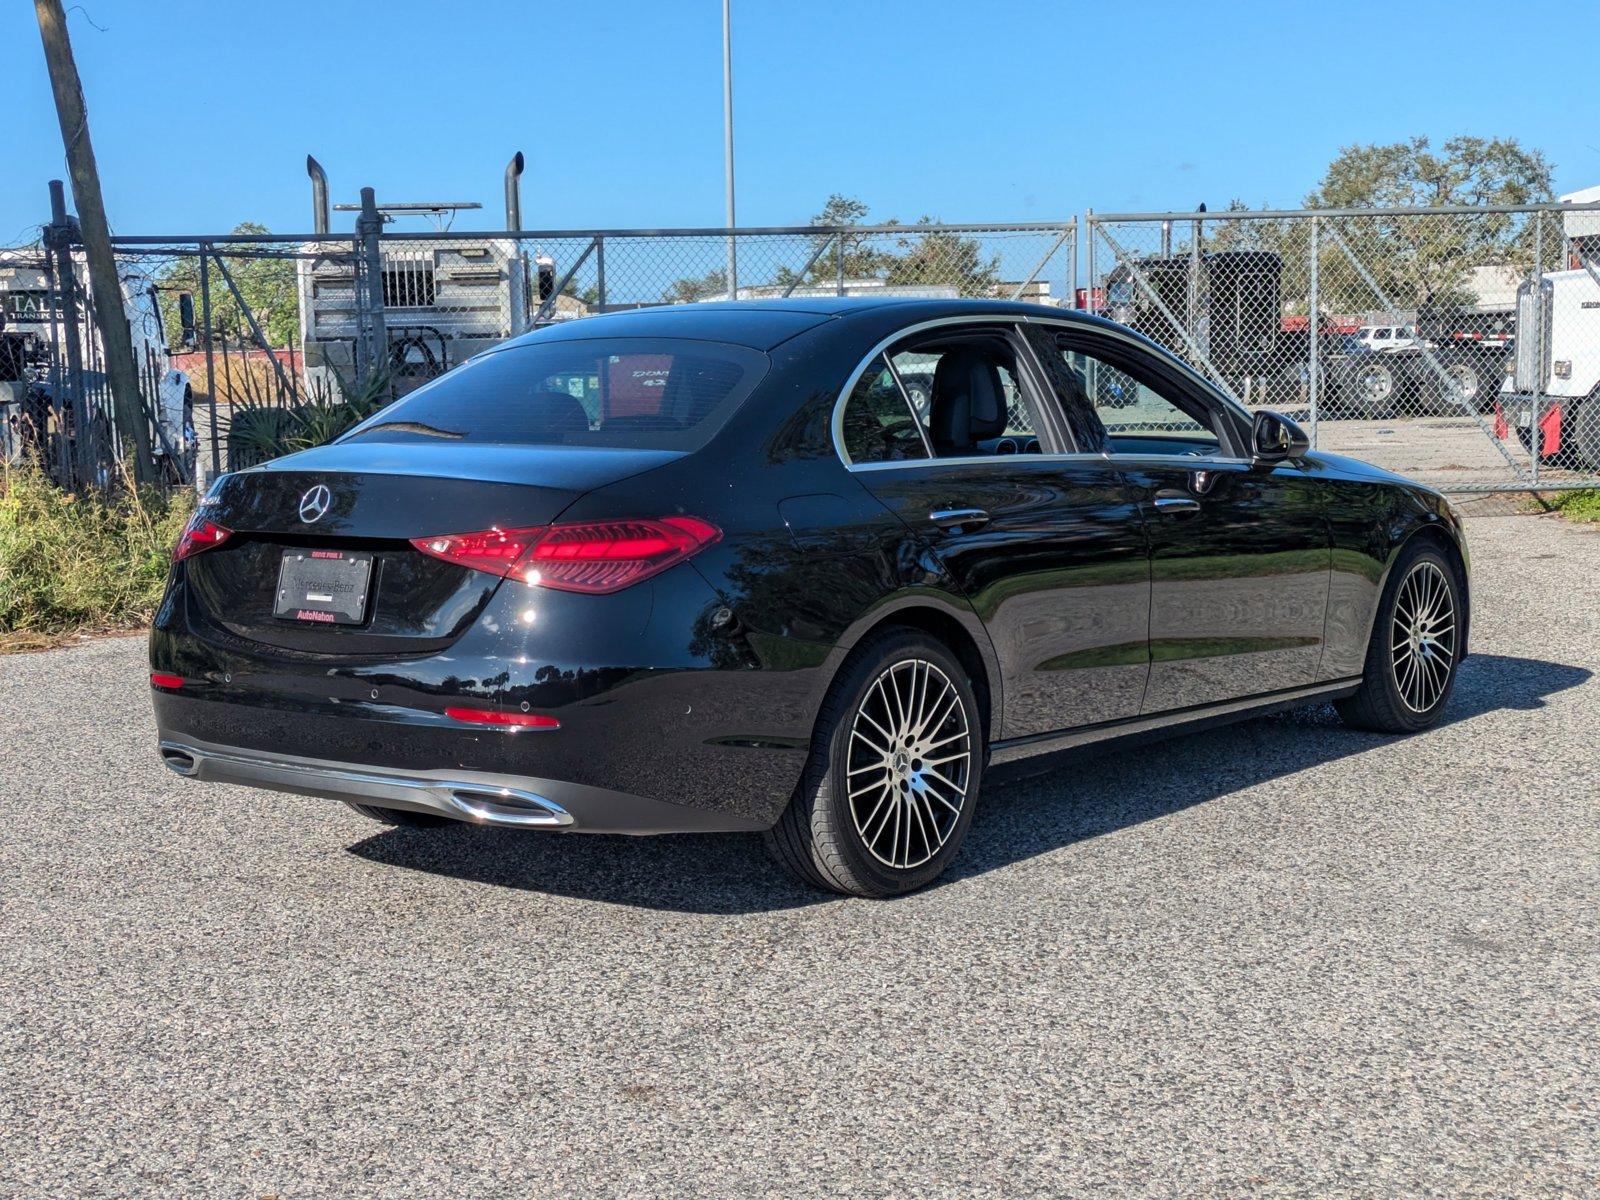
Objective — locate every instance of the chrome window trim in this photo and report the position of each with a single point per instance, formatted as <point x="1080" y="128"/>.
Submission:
<point x="837" y="423"/>
<point x="1136" y="342"/>
<point x="1081" y="456"/>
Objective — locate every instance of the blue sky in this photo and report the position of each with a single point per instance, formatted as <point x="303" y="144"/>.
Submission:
<point x="202" y="113"/>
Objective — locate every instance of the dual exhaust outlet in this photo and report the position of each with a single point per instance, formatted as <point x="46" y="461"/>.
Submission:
<point x="476" y="803"/>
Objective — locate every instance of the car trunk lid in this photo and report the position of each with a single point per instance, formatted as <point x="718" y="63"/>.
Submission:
<point x="359" y="506"/>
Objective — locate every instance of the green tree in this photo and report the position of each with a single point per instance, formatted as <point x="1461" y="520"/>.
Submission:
<point x="1423" y="260"/>
<point x="931" y="258"/>
<point x="265" y="275"/>
<point x="695" y="288"/>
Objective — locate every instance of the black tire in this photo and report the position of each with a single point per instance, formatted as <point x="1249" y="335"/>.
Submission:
<point x="1582" y="433"/>
<point x="400" y="817"/>
<point x="828" y="839"/>
<point x="1388" y="700"/>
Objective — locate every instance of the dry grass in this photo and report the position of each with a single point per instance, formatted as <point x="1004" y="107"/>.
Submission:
<point x="73" y="564"/>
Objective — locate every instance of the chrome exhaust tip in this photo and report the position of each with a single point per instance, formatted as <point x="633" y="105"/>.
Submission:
<point x="180" y="760"/>
<point x="505" y="807"/>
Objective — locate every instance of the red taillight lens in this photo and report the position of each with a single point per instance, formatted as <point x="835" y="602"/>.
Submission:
<point x="510" y="720"/>
<point x="597" y="556"/>
<point x="162" y="679"/>
<point x="493" y="550"/>
<point x="607" y="556"/>
<point x="199" y="534"/>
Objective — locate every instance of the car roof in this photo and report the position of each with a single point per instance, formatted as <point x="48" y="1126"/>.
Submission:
<point x="767" y="323"/>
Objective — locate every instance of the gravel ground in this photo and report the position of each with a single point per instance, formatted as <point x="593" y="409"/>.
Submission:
<point x="1278" y="959"/>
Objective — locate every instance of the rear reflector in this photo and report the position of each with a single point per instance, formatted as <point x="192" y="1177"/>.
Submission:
<point x="513" y="720"/>
<point x="161" y="679"/>
<point x="593" y="556"/>
<point x="199" y="534"/>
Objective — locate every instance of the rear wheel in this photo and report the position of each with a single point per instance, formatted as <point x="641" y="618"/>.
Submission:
<point x="1375" y="393"/>
<point x="895" y="765"/>
<point x="1416" y="639"/>
<point x="400" y="817"/>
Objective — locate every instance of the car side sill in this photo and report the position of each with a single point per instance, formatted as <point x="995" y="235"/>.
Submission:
<point x="1151" y="726"/>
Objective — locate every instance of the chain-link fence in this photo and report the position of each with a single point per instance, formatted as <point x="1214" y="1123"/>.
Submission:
<point x="254" y="345"/>
<point x="1459" y="346"/>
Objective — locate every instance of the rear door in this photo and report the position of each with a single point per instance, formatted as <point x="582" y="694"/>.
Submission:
<point x="1046" y="544"/>
<point x="1240" y="554"/>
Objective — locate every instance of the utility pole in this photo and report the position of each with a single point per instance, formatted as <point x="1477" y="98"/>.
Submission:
<point x="727" y="142"/>
<point x="110" y="311"/>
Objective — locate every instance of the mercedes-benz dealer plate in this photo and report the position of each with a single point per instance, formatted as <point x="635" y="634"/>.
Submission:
<point x="328" y="587"/>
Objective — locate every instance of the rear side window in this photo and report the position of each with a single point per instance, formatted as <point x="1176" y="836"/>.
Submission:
<point x="634" y="393"/>
<point x="878" y="424"/>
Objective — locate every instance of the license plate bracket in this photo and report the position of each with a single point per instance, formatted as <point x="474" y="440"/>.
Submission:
<point x="323" y="587"/>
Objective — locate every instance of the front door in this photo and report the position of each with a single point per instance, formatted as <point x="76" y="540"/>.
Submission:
<point x="1240" y="552"/>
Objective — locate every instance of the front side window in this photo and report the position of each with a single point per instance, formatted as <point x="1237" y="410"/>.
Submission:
<point x="631" y="393"/>
<point x="1139" y="418"/>
<point x="878" y="425"/>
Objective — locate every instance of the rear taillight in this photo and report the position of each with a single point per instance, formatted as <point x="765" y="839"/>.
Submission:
<point x="199" y="534"/>
<point x="592" y="556"/>
<point x="506" y="720"/>
<point x="162" y="679"/>
<point x="496" y="551"/>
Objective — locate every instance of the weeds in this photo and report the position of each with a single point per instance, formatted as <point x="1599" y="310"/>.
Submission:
<point x="73" y="563"/>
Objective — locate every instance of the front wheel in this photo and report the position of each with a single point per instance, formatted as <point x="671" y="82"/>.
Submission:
<point x="1415" y="647"/>
<point x="893" y="779"/>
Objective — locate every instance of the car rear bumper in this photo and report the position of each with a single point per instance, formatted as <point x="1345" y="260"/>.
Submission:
<point x="478" y="797"/>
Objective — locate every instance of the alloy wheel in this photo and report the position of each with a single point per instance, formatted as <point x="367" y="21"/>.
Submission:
<point x="1422" y="643"/>
<point x="909" y="766"/>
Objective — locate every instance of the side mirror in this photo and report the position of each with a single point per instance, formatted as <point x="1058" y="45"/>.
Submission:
<point x="186" y="319"/>
<point x="1273" y="438"/>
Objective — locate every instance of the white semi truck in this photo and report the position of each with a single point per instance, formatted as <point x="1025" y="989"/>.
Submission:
<point x="1551" y="400"/>
<point x="443" y="301"/>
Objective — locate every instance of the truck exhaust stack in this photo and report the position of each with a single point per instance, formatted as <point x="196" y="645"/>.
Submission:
<point x="514" y="192"/>
<point x="319" y="194"/>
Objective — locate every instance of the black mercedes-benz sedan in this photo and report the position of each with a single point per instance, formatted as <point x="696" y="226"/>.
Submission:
<point x="715" y="567"/>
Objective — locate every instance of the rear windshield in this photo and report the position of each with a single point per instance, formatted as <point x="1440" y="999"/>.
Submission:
<point x="643" y="393"/>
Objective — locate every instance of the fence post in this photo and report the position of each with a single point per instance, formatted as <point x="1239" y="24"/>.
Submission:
<point x="1197" y="231"/>
<point x="1072" y="266"/>
<point x="1088" y="241"/>
<point x="838" y="262"/>
<point x="600" y="273"/>
<point x="73" y="398"/>
<point x="1314" y="316"/>
<point x="371" y="327"/>
<point x="1536" y="434"/>
<point x="211" y="361"/>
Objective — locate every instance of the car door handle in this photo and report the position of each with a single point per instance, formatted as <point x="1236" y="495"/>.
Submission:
<point x="1176" y="504"/>
<point x="955" y="518"/>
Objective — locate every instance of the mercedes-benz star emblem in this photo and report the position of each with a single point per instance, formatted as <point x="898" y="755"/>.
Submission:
<point x="314" y="505"/>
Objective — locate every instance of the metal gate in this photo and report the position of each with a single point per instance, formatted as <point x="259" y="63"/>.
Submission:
<point x="1394" y="335"/>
